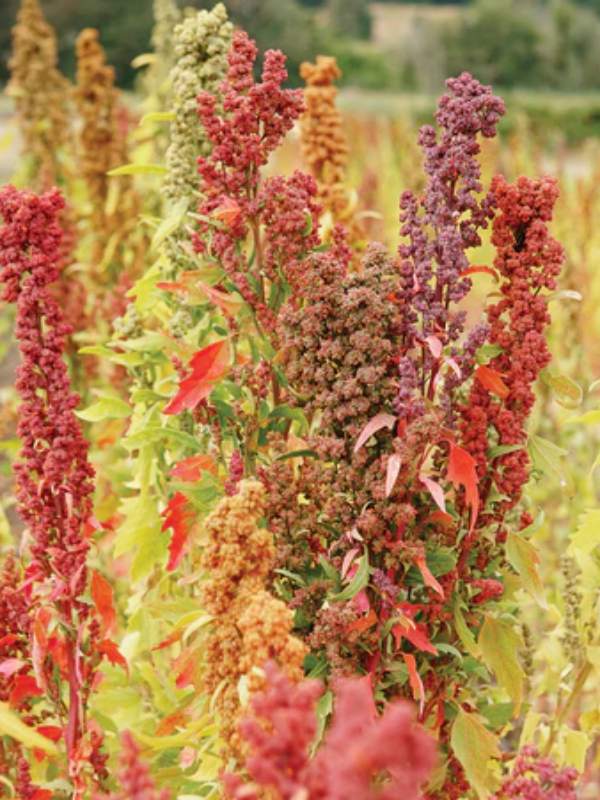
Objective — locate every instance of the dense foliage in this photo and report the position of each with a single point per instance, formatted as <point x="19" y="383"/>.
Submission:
<point x="280" y="484"/>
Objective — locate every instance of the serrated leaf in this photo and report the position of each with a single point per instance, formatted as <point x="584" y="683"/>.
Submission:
<point x="546" y="456"/>
<point x="567" y="392"/>
<point x="523" y="557"/>
<point x="475" y="746"/>
<point x="586" y="536"/>
<point x="499" y="643"/>
<point x="575" y="745"/>
<point x="105" y="408"/>
<point x="464" y="633"/>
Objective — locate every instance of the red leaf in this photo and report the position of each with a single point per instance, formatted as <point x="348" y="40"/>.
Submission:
<point x="9" y="666"/>
<point x="417" y="636"/>
<point x="24" y="686"/>
<point x="191" y="468"/>
<point x="109" y="649"/>
<point x="375" y="424"/>
<point x="103" y="597"/>
<point x="393" y="469"/>
<point x="427" y="576"/>
<point x="435" y="490"/>
<point x="42" y="794"/>
<point x="206" y="367"/>
<point x="492" y="380"/>
<point x="10" y="638"/>
<point x="186" y="668"/>
<point x="52" y="732"/>
<point x="473" y="270"/>
<point x="416" y="684"/>
<point x="178" y="515"/>
<point x="462" y="471"/>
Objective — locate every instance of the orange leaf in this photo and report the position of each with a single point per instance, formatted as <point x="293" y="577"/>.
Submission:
<point x="427" y="576"/>
<point x="206" y="367"/>
<point x="173" y="637"/>
<point x="109" y="649"/>
<point x="186" y="668"/>
<point x="416" y="684"/>
<point x="178" y="515"/>
<point x="473" y="270"/>
<point x="228" y="212"/>
<point x="190" y="469"/>
<point x="169" y="723"/>
<point x="492" y="380"/>
<point x="364" y="623"/>
<point x="462" y="471"/>
<point x="103" y="597"/>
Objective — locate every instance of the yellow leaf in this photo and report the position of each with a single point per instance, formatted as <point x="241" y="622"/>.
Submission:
<point x="587" y="534"/>
<point x="474" y="746"/>
<point x="523" y="557"/>
<point x="575" y="746"/>
<point x="464" y="634"/>
<point x="499" y="644"/>
<point x="11" y="725"/>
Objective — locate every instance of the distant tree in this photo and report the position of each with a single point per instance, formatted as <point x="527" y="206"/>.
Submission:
<point x="499" y="41"/>
<point x="350" y="18"/>
<point x="124" y="29"/>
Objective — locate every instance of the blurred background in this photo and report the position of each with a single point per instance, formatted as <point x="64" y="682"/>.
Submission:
<point x="544" y="46"/>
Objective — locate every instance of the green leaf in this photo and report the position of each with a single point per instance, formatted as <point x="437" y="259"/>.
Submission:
<point x="487" y="352"/>
<point x="138" y="169"/>
<point x="546" y="456"/>
<point x="124" y="359"/>
<point x="589" y="418"/>
<point x="105" y="408"/>
<point x="587" y="534"/>
<point x="170" y="224"/>
<point x="502" y="450"/>
<point x="524" y="559"/>
<point x="158" y="116"/>
<point x="475" y="746"/>
<point x="12" y="725"/>
<point x="358" y="582"/>
<point x="464" y="632"/>
<point x="323" y="711"/>
<point x="297" y="454"/>
<point x="497" y="714"/>
<point x="140" y="531"/>
<point x="499" y="644"/>
<point x="440" y="561"/>
<point x="294" y="414"/>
